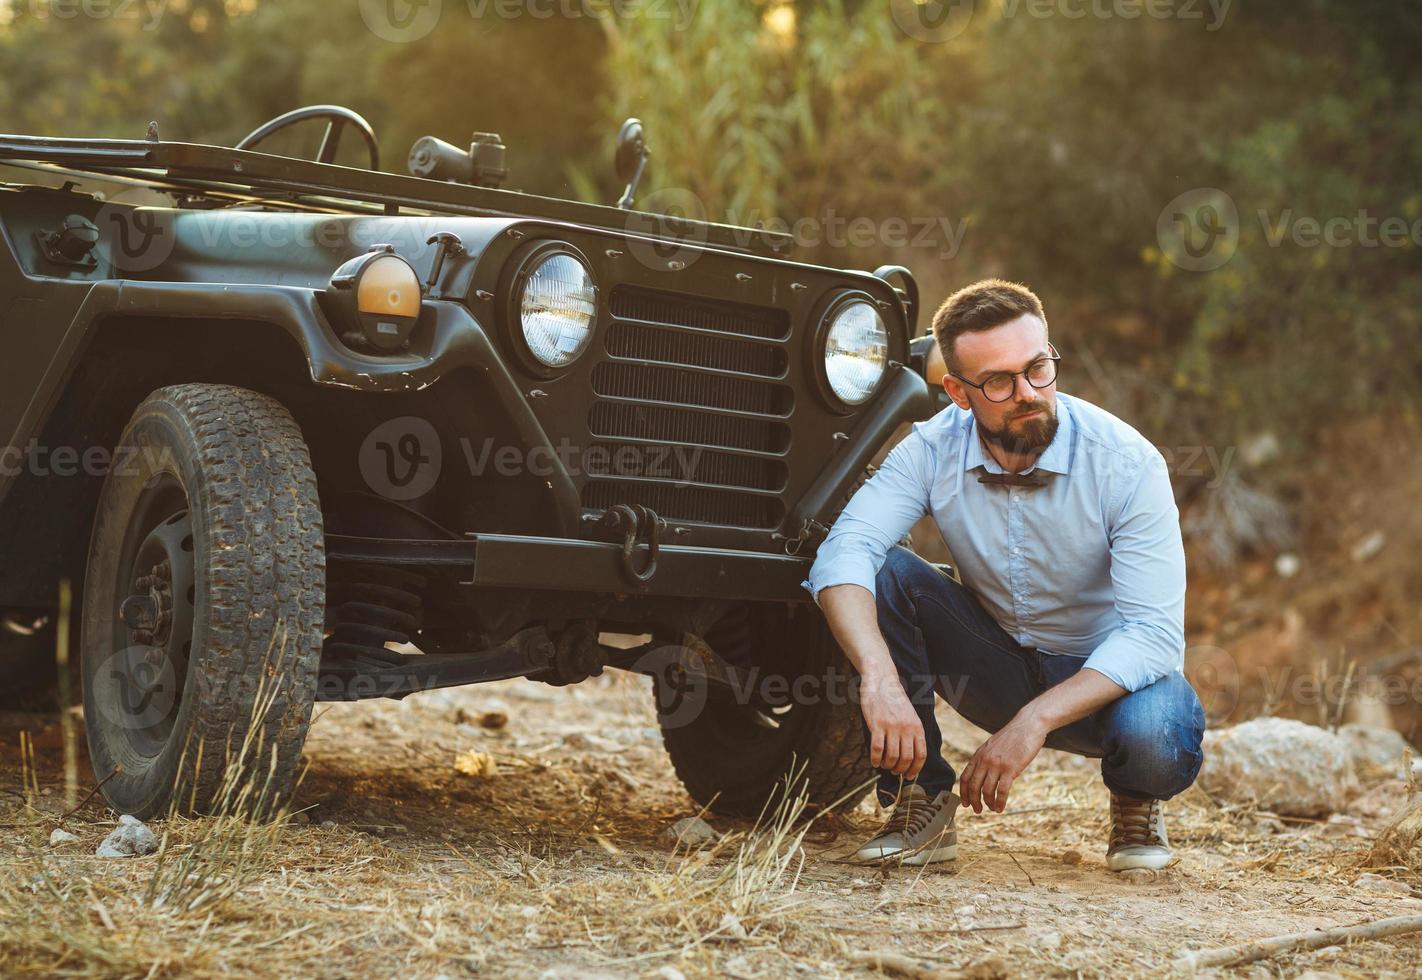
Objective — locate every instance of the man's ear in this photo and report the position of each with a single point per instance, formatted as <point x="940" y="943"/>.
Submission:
<point x="957" y="391"/>
<point x="935" y="371"/>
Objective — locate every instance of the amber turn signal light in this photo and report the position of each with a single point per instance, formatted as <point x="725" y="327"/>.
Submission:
<point x="379" y="295"/>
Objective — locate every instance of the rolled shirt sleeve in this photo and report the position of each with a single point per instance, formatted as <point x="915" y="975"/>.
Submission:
<point x="878" y="515"/>
<point x="1148" y="580"/>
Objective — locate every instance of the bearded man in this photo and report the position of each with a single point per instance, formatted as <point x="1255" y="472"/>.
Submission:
<point x="1066" y="628"/>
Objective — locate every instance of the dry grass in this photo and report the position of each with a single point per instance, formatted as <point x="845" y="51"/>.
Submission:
<point x="557" y="864"/>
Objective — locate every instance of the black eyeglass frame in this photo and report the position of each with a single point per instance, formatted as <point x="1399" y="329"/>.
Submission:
<point x="1051" y="355"/>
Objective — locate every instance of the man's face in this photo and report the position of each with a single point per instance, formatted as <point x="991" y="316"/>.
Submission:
<point x="1027" y="421"/>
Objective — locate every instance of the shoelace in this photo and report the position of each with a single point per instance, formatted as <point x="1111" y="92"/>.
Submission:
<point x="1134" y="822"/>
<point x="911" y="815"/>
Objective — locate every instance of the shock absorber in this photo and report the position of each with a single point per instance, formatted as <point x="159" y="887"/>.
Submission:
<point x="368" y="606"/>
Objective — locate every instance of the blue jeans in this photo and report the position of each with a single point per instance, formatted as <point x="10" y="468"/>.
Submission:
<point x="943" y="641"/>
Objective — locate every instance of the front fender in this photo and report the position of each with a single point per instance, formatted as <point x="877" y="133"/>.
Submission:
<point x="448" y="338"/>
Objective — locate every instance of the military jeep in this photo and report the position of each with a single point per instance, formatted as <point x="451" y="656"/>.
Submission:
<point x="298" y="431"/>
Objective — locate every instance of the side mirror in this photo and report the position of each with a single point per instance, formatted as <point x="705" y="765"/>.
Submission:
<point x="630" y="159"/>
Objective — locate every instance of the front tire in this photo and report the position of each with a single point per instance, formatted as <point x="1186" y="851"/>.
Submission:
<point x="204" y="602"/>
<point x="734" y="754"/>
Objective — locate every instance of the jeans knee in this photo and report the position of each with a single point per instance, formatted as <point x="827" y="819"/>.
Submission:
<point x="1153" y="740"/>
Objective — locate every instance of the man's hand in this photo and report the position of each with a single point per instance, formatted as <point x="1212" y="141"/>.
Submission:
<point x="896" y="740"/>
<point x="989" y="775"/>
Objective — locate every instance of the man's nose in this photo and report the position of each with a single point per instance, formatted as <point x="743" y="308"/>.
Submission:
<point x="1022" y="389"/>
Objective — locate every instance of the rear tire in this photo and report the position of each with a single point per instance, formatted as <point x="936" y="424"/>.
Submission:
<point x="209" y="526"/>
<point x="735" y="757"/>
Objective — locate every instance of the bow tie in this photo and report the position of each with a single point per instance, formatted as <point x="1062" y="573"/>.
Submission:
<point x="1012" y="479"/>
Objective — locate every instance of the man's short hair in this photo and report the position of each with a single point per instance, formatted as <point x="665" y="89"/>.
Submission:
<point x="983" y="305"/>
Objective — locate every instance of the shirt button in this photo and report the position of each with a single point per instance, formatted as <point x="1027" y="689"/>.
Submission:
<point x="1017" y="551"/>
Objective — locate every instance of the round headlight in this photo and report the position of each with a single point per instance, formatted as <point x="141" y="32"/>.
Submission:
<point x="557" y="309"/>
<point x="856" y="351"/>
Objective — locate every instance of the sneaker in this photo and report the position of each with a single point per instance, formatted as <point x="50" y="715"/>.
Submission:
<point x="918" y="831"/>
<point x="1137" y="835"/>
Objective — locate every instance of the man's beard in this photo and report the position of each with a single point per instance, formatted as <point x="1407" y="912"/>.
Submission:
<point x="1024" y="436"/>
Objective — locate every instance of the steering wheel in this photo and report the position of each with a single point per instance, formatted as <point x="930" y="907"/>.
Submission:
<point x="337" y="118"/>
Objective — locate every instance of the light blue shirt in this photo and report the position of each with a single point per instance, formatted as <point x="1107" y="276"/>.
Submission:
<point x="1090" y="565"/>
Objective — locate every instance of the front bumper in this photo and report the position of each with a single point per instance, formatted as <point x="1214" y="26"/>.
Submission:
<point x="568" y="565"/>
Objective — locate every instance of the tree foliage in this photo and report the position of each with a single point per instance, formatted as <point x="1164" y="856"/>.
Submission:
<point x="1053" y="143"/>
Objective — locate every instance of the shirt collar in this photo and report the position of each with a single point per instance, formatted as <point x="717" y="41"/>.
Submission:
<point x="1056" y="458"/>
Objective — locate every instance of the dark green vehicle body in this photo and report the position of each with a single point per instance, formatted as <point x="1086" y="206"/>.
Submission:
<point x="707" y="337"/>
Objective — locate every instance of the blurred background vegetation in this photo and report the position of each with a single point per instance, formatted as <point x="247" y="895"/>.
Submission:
<point x="1051" y="143"/>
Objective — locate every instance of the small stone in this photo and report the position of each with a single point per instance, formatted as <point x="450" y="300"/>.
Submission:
<point x="1071" y="857"/>
<point x="1259" y="448"/>
<point x="480" y="765"/>
<point x="671" y="973"/>
<point x="493" y="719"/>
<point x="131" y="838"/>
<point x="1384" y="800"/>
<point x="1287" y="565"/>
<point x="1369" y="546"/>
<point x="691" y="832"/>
<point x="965" y="911"/>
<point x="1376" y="751"/>
<point x="61" y="836"/>
<point x="732" y="926"/>
<point x="596" y="743"/>
<point x="1343" y="825"/>
<point x="1378" y="885"/>
<point x="1138" y="876"/>
<point x="1328" y="952"/>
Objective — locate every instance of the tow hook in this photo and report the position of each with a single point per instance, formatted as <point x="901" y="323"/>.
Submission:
<point x="633" y="520"/>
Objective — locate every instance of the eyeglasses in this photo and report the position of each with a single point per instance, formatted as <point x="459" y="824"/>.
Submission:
<point x="1001" y="386"/>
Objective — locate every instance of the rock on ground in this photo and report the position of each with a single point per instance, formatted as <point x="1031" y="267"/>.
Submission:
<point x="1377" y="751"/>
<point x="61" y="836"/>
<point x="1281" y="765"/>
<point x="131" y="838"/>
<point x="691" y="832"/>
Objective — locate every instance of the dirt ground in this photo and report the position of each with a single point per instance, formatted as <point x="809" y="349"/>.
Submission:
<point x="557" y="864"/>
